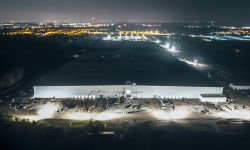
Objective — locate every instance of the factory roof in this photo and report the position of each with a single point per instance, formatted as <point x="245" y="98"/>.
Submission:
<point x="119" y="63"/>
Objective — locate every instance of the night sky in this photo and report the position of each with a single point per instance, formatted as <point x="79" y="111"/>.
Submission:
<point x="223" y="11"/>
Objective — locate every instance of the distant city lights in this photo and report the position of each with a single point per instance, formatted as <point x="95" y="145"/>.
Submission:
<point x="169" y="48"/>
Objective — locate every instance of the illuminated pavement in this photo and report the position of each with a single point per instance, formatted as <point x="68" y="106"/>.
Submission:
<point x="146" y="113"/>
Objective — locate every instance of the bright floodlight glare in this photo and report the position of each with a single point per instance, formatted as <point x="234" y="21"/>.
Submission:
<point x="119" y="37"/>
<point x="173" y="48"/>
<point x="47" y="110"/>
<point x="104" y="116"/>
<point x="234" y="114"/>
<point x="197" y="65"/>
<point x="167" y="45"/>
<point x="78" y="116"/>
<point x="87" y="116"/>
<point x="195" y="61"/>
<point x="157" y="41"/>
<point x="108" y="36"/>
<point x="171" y="115"/>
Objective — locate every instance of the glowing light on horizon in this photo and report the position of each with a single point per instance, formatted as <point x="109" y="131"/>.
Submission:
<point x="173" y="49"/>
<point x="168" y="47"/>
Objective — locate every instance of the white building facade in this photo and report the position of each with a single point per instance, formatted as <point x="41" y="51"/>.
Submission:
<point x="135" y="91"/>
<point x="239" y="87"/>
<point x="213" y="98"/>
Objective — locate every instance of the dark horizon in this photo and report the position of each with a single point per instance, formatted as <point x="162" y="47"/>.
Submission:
<point x="202" y="23"/>
<point x="223" y="11"/>
<point x="124" y="74"/>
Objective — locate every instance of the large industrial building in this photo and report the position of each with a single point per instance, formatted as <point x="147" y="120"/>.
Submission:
<point x="134" y="69"/>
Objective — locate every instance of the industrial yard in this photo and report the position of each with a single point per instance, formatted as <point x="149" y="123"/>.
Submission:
<point x="130" y="82"/>
<point x="120" y="110"/>
<point x="115" y="87"/>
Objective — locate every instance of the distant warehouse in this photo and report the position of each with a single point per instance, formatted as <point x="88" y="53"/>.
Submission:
<point x="134" y="69"/>
<point x="239" y="86"/>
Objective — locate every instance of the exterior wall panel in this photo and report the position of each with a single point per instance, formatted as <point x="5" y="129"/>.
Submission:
<point x="119" y="90"/>
<point x="239" y="87"/>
